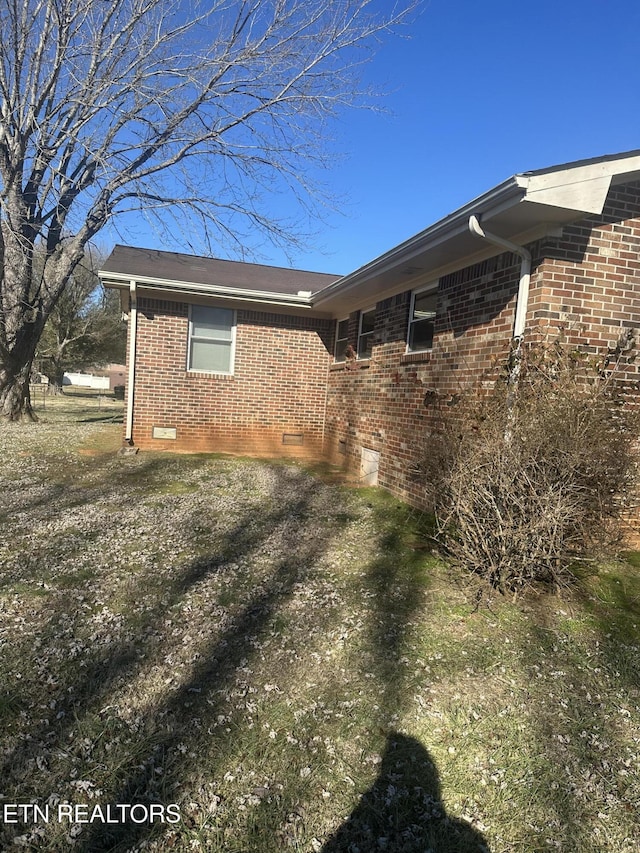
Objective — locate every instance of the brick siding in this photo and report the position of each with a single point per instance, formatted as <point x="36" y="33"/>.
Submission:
<point x="278" y="386"/>
<point x="585" y="284"/>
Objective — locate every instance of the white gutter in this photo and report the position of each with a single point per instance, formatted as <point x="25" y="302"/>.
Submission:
<point x="299" y="300"/>
<point x="503" y="196"/>
<point x="525" y="272"/>
<point x="133" y="325"/>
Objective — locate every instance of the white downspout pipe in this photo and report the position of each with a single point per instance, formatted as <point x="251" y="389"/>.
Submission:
<point x="525" y="274"/>
<point x="519" y="322"/>
<point x="133" y="324"/>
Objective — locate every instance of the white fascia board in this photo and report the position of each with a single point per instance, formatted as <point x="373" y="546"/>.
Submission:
<point x="572" y="189"/>
<point x="584" y="196"/>
<point x="121" y="280"/>
<point x="504" y="195"/>
<point x="582" y="187"/>
<point x="579" y="188"/>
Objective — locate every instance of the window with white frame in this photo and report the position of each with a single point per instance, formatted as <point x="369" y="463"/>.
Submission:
<point x="365" y="333"/>
<point x="212" y="333"/>
<point x="422" y="320"/>
<point x="342" y="339"/>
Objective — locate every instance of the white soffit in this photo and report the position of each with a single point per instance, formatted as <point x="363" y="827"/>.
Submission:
<point x="521" y="209"/>
<point x="586" y="196"/>
<point x="581" y="187"/>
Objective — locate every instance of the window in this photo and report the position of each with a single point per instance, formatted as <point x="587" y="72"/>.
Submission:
<point x="212" y="333"/>
<point x="422" y="320"/>
<point x="342" y="339"/>
<point x="365" y="333"/>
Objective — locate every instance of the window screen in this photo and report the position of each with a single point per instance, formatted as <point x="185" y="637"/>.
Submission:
<point x="211" y="339"/>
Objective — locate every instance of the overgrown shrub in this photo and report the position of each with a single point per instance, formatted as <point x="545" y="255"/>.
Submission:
<point x="536" y="475"/>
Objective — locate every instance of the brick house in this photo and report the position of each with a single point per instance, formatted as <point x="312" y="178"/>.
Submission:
<point x="246" y="358"/>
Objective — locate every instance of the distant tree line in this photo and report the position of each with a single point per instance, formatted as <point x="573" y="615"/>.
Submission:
<point x="85" y="328"/>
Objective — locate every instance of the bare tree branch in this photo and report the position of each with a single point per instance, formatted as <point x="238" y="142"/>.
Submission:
<point x="187" y="108"/>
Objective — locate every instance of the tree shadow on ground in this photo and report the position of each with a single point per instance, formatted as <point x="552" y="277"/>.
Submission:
<point x="403" y="812"/>
<point x="83" y="692"/>
<point x="396" y="581"/>
<point x="255" y="562"/>
<point x="200" y="696"/>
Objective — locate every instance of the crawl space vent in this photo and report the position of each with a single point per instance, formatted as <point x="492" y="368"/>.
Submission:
<point x="369" y="463"/>
<point x="164" y="432"/>
<point x="293" y="438"/>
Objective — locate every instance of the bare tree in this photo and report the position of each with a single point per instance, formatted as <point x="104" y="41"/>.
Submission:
<point x="186" y="107"/>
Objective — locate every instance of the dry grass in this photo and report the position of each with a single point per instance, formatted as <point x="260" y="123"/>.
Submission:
<point x="273" y="654"/>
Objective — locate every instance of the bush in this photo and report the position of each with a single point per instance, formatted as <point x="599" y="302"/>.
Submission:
<point x="535" y="476"/>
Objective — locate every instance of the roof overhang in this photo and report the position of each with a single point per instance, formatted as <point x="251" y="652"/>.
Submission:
<point x="166" y="288"/>
<point x="522" y="209"/>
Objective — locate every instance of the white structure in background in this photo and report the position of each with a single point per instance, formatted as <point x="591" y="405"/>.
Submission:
<point x="369" y="464"/>
<point x="86" y="380"/>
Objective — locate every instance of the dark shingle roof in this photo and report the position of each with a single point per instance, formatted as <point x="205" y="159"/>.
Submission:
<point x="173" y="266"/>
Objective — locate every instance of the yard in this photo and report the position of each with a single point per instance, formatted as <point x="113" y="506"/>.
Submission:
<point x="257" y="657"/>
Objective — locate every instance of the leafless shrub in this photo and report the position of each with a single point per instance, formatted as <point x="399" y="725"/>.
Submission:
<point x="537" y="475"/>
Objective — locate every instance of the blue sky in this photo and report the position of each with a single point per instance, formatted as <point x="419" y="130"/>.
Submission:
<point x="478" y="92"/>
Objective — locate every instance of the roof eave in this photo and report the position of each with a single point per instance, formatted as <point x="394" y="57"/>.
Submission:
<point x="170" y="286"/>
<point x="508" y="193"/>
<point x="540" y="201"/>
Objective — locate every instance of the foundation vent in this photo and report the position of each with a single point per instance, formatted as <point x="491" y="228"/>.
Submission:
<point x="293" y="438"/>
<point x="164" y="432"/>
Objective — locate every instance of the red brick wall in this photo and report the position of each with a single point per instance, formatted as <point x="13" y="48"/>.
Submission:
<point x="386" y="404"/>
<point x="585" y="283"/>
<point x="278" y="385"/>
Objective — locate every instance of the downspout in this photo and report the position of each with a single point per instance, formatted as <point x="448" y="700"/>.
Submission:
<point x="324" y="411"/>
<point x="133" y="324"/>
<point x="522" y="301"/>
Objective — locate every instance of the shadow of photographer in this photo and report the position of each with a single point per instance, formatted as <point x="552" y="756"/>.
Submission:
<point x="403" y="812"/>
